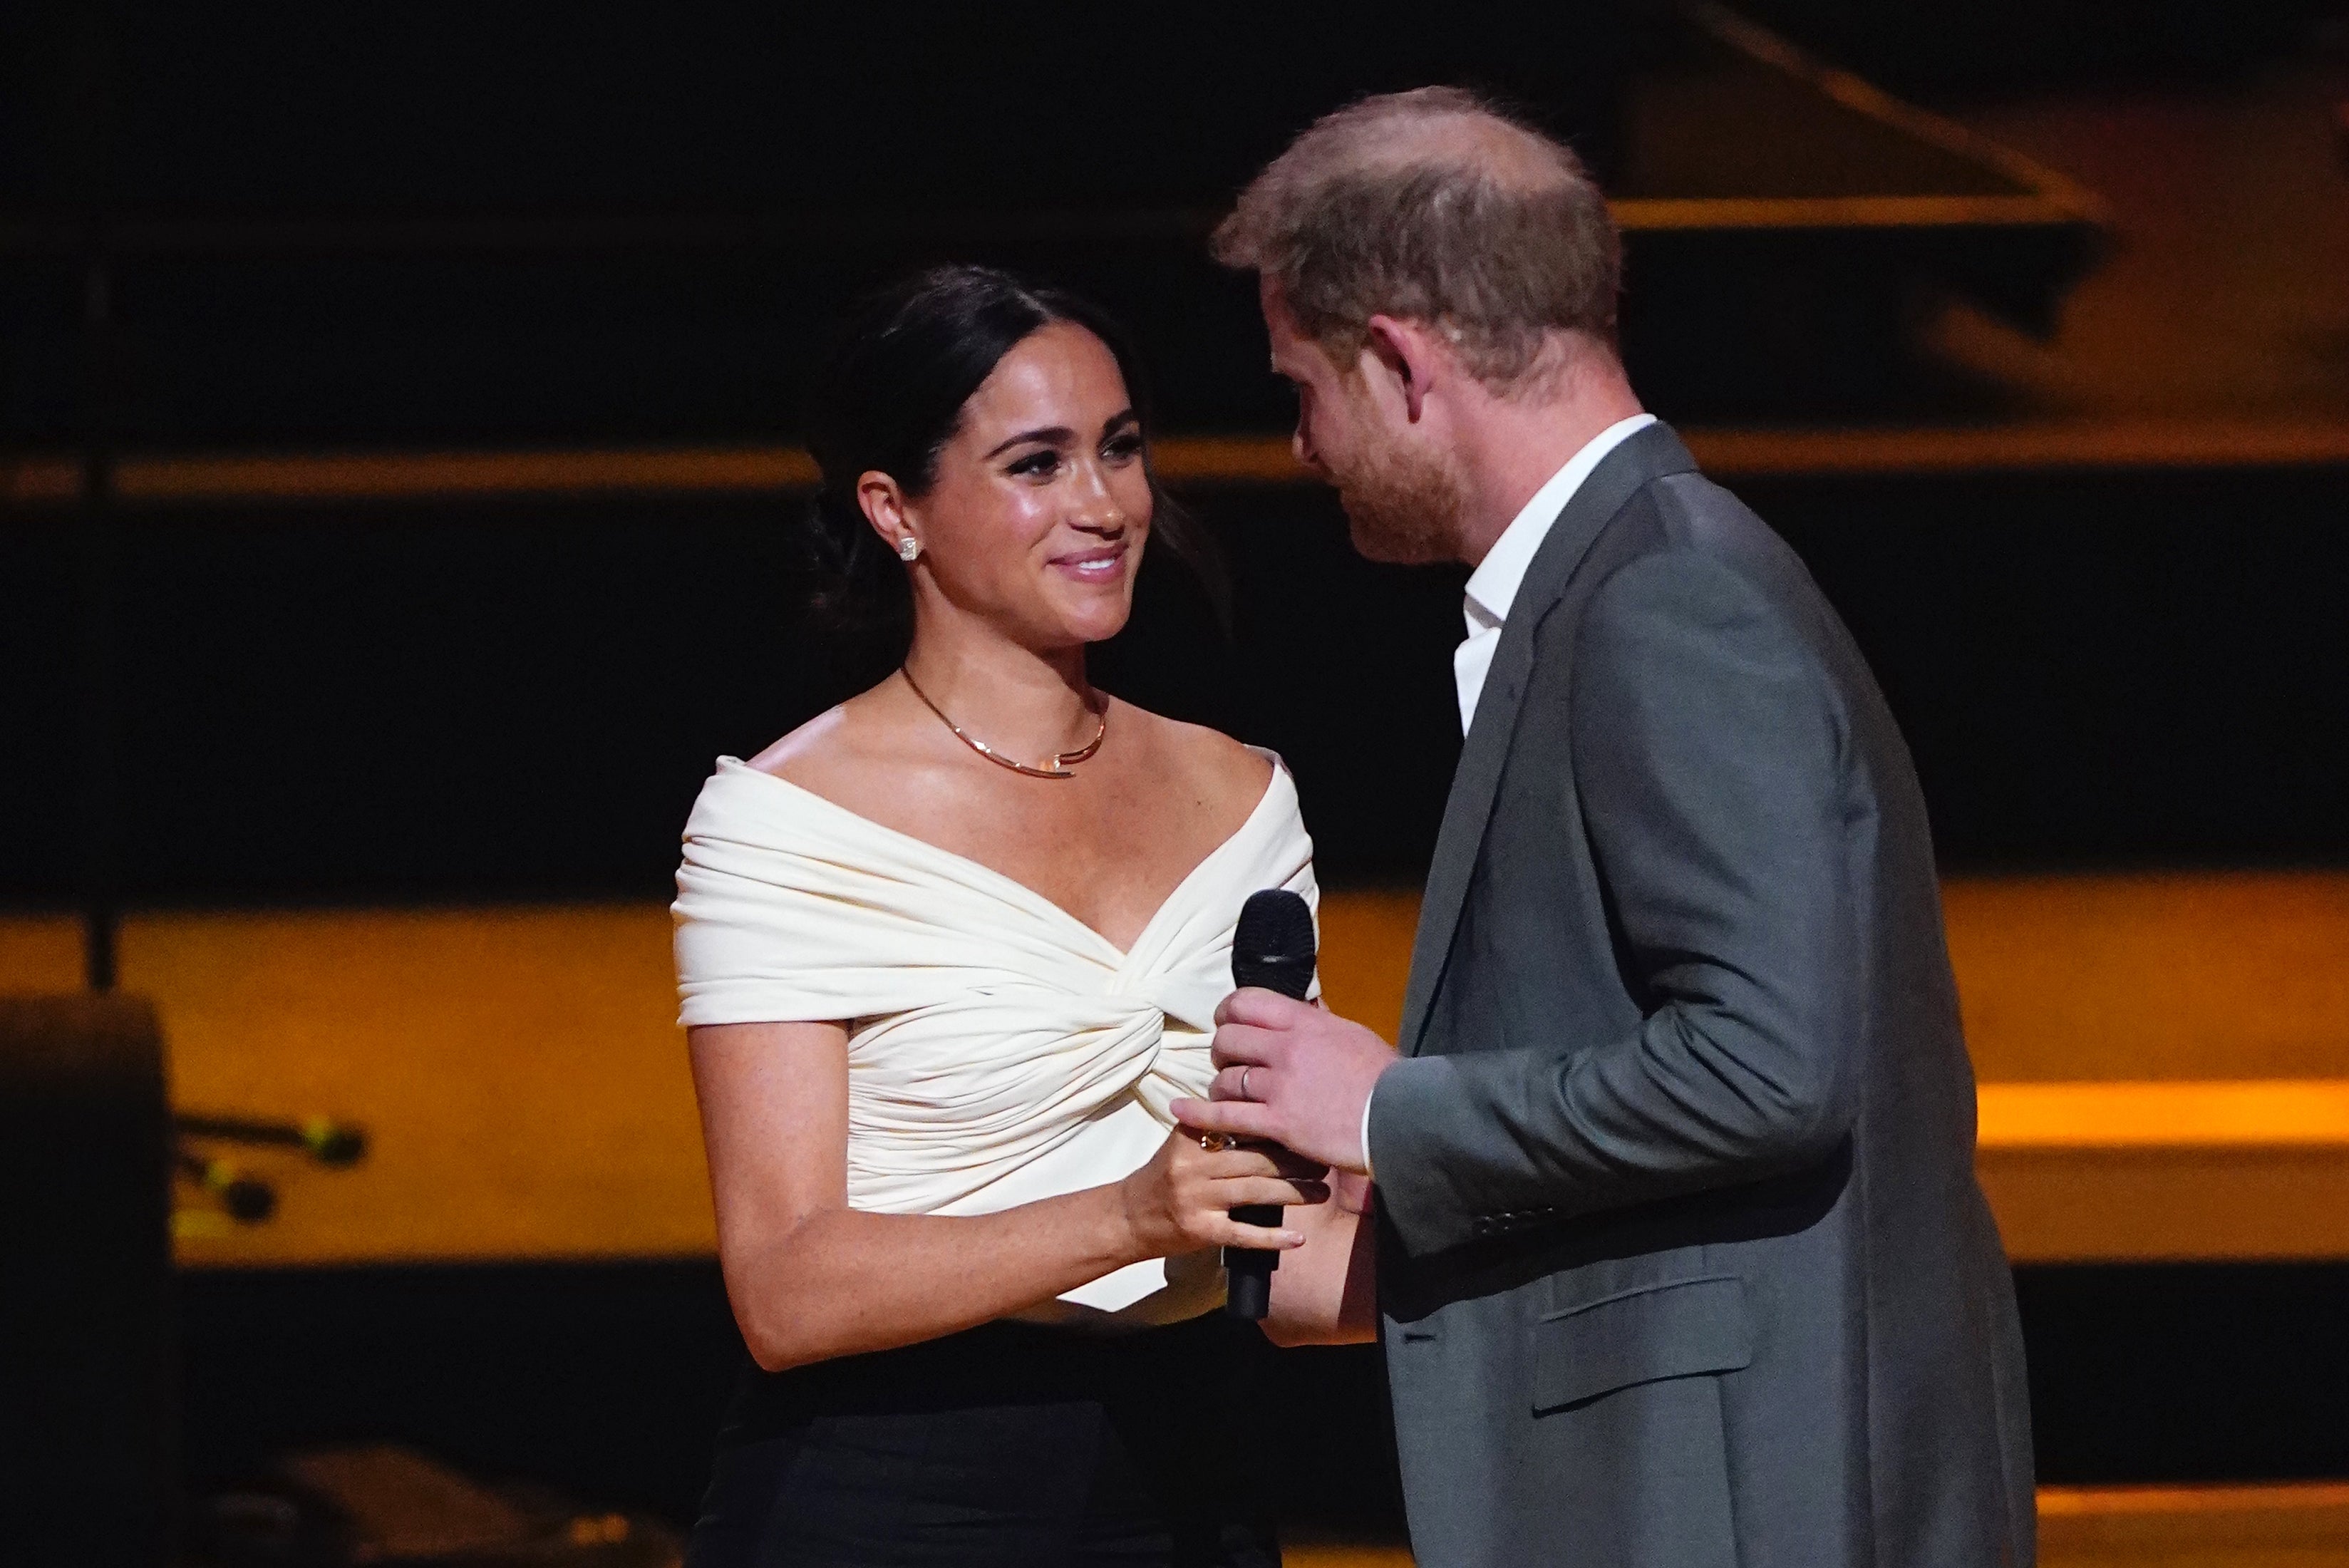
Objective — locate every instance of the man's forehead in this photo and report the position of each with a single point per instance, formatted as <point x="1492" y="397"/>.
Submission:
<point x="1280" y="324"/>
<point x="1274" y="301"/>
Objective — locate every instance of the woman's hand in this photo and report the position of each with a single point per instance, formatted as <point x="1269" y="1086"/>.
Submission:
<point x="1181" y="1201"/>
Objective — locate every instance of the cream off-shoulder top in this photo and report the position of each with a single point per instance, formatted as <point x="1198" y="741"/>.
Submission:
<point x="1000" y="1050"/>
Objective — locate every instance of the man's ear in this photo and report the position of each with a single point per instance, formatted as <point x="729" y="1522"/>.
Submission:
<point x="1404" y="350"/>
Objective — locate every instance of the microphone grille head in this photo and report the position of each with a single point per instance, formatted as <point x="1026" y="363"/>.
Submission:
<point x="1272" y="946"/>
<point x="1275" y="921"/>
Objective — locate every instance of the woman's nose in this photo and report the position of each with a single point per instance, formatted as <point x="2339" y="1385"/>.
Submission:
<point x="1096" y="508"/>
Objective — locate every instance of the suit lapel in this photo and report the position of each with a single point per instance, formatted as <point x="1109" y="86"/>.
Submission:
<point x="1647" y="455"/>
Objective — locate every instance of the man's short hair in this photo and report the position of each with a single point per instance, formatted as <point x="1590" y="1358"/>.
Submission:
<point x="1434" y="206"/>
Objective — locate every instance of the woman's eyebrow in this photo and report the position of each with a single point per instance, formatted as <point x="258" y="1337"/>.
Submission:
<point x="1123" y="417"/>
<point x="1059" y="434"/>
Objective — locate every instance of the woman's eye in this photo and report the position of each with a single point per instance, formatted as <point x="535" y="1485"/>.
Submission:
<point x="1124" y="445"/>
<point x="1038" y="465"/>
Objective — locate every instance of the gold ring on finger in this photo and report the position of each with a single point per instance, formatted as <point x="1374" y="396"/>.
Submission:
<point x="1215" y="1143"/>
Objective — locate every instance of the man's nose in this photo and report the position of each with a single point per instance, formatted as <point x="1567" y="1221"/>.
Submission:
<point x="1301" y="447"/>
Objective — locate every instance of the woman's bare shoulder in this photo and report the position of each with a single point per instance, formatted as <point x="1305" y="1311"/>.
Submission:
<point x="833" y="748"/>
<point x="786" y="754"/>
<point x="1230" y="777"/>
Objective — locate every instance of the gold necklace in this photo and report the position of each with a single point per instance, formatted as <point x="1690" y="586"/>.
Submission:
<point x="1059" y="768"/>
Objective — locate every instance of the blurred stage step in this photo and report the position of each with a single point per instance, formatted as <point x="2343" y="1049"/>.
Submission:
<point x="2296" y="1526"/>
<point x="2165" y="1062"/>
<point x="1727" y="452"/>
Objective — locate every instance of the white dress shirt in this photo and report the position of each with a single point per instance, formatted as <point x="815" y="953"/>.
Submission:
<point x="1493" y="586"/>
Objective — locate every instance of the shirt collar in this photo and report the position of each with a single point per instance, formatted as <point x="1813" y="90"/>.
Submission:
<point x="1493" y="587"/>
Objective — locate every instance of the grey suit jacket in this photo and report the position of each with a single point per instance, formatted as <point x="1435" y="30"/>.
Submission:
<point x="1682" y="1258"/>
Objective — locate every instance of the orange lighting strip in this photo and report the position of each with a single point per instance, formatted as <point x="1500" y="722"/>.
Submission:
<point x="2234" y="1114"/>
<point x="53" y="480"/>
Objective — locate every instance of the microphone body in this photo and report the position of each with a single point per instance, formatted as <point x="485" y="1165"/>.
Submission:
<point x="1272" y="949"/>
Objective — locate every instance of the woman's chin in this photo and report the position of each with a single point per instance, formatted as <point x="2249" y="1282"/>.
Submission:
<point x="1092" y="618"/>
<point x="1099" y="630"/>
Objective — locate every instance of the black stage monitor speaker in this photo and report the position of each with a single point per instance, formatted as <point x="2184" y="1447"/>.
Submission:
<point x="88" y="1364"/>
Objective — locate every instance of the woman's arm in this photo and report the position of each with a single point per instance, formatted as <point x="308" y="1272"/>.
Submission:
<point x="1325" y="1292"/>
<point x="811" y="1278"/>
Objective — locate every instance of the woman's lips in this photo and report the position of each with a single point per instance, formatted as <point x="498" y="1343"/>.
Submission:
<point x="1094" y="566"/>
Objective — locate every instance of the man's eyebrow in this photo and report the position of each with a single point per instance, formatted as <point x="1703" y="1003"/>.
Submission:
<point x="1057" y="434"/>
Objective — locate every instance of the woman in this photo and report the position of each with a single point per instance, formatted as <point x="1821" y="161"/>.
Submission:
<point x="947" y="952"/>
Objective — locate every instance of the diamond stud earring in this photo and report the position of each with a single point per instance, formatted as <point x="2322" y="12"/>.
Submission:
<point x="908" y="547"/>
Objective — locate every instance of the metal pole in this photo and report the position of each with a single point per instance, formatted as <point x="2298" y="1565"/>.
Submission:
<point x="100" y="552"/>
<point x="101" y="544"/>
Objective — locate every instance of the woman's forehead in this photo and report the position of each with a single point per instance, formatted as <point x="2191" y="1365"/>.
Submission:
<point x="1060" y="370"/>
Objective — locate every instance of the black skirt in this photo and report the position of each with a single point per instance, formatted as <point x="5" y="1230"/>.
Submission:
<point x="1006" y="1444"/>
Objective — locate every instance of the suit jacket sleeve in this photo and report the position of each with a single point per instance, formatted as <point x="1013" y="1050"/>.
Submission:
<point x="1710" y="760"/>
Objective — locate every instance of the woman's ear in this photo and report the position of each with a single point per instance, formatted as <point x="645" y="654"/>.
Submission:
<point x="884" y="506"/>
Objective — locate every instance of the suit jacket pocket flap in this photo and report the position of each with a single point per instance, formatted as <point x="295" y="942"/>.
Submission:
<point x="1678" y="1329"/>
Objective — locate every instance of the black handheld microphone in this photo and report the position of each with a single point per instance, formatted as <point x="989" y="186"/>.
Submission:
<point x="1272" y="948"/>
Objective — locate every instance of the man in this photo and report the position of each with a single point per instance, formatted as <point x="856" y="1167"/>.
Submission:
<point x="1681" y="1259"/>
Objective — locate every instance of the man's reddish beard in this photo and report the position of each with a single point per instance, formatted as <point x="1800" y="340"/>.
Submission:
<point x="1403" y="506"/>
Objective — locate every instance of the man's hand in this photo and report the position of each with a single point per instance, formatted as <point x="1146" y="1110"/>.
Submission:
<point x="1294" y="1074"/>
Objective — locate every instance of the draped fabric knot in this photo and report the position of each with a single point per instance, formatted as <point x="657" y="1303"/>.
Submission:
<point x="1000" y="1050"/>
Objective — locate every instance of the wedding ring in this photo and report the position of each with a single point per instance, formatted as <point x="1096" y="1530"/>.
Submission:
<point x="1243" y="1088"/>
<point x="1216" y="1143"/>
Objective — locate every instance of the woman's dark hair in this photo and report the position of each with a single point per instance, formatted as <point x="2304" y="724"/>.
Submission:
<point x="889" y="395"/>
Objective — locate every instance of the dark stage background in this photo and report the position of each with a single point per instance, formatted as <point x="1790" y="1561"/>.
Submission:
<point x="469" y="227"/>
<point x="453" y="701"/>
